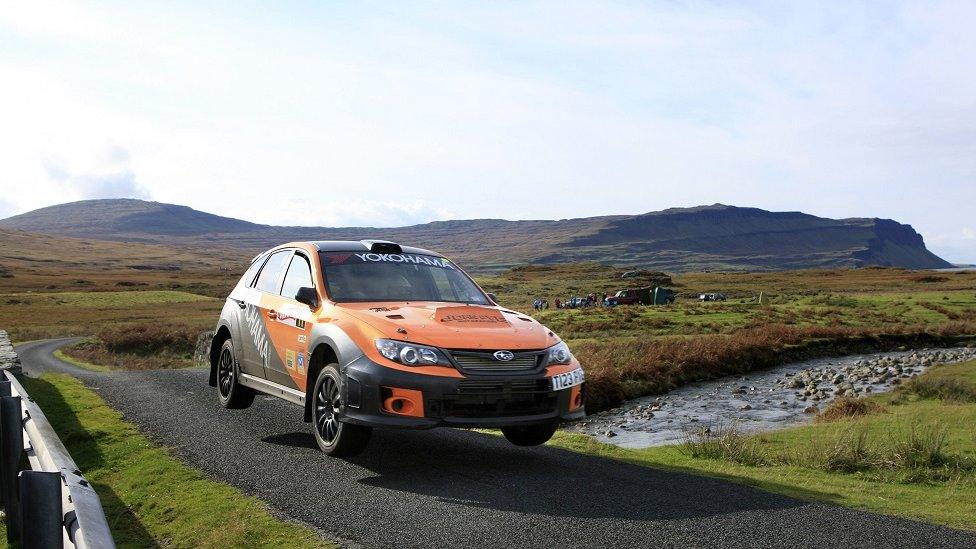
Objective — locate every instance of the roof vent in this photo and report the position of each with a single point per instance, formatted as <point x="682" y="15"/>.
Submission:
<point x="382" y="246"/>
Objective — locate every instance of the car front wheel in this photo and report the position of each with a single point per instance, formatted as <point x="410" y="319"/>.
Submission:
<point x="530" y="435"/>
<point x="334" y="437"/>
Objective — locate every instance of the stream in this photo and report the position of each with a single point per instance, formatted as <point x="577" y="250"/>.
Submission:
<point x="760" y="401"/>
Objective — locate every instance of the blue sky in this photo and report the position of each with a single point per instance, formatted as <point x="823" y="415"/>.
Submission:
<point x="373" y="113"/>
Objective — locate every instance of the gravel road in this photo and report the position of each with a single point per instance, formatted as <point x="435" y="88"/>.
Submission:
<point x="450" y="488"/>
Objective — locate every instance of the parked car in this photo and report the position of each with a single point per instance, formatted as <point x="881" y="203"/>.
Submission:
<point x="373" y="334"/>
<point x="642" y="296"/>
<point x="712" y="297"/>
<point x="577" y="303"/>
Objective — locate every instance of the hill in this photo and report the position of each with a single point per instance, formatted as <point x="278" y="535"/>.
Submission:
<point x="677" y="239"/>
<point x="38" y="262"/>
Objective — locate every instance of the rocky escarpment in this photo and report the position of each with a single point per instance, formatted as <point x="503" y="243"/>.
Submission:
<point x="679" y="239"/>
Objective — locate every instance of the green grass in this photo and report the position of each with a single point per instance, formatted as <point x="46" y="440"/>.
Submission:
<point x="915" y="459"/>
<point x="104" y="299"/>
<point x="150" y="497"/>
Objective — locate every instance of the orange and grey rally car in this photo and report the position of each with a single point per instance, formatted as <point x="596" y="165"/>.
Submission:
<point x="373" y="334"/>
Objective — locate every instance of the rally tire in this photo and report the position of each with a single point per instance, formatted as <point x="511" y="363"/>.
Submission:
<point x="230" y="392"/>
<point x="334" y="437"/>
<point x="530" y="435"/>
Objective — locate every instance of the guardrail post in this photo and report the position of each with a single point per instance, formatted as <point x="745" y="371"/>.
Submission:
<point x="41" y="515"/>
<point x="11" y="454"/>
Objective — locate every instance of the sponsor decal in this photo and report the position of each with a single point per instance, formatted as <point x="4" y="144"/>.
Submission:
<point x="300" y="361"/>
<point x="337" y="259"/>
<point x="286" y="318"/>
<point x="409" y="259"/>
<point x="472" y="318"/>
<point x="301" y="338"/>
<point x="259" y="335"/>
<point x="290" y="359"/>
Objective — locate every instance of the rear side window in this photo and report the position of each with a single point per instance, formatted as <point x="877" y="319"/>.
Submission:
<point x="270" y="278"/>
<point x="252" y="271"/>
<point x="299" y="275"/>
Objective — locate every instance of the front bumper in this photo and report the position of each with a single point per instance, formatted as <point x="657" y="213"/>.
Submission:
<point x="470" y="401"/>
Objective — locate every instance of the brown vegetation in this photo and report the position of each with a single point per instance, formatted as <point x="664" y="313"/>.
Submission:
<point x="138" y="347"/>
<point x="848" y="407"/>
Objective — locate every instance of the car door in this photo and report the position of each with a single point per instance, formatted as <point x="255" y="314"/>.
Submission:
<point x="237" y="304"/>
<point x="290" y="325"/>
<point x="256" y="341"/>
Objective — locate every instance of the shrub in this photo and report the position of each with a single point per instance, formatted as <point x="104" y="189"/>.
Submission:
<point x="848" y="453"/>
<point x="144" y="339"/>
<point x="848" y="407"/>
<point x="725" y="443"/>
<point x="928" y="279"/>
<point x="942" y="388"/>
<point x="919" y="447"/>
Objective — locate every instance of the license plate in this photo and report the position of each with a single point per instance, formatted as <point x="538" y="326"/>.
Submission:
<point x="567" y="380"/>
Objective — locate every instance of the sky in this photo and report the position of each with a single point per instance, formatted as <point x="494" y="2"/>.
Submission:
<point x="394" y="113"/>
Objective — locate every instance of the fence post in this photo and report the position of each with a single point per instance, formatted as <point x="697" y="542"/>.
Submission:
<point x="11" y="453"/>
<point x="41" y="515"/>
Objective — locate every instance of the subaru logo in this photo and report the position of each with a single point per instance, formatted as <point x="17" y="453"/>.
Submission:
<point x="504" y="355"/>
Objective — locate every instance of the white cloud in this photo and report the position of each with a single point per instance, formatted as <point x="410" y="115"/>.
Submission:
<point x="7" y="209"/>
<point x="104" y="174"/>
<point x="346" y="213"/>
<point x="968" y="233"/>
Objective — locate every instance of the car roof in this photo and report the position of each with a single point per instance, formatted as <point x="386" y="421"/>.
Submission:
<point x="345" y="246"/>
<point x="362" y="246"/>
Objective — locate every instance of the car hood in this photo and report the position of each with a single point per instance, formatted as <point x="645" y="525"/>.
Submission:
<point x="453" y="325"/>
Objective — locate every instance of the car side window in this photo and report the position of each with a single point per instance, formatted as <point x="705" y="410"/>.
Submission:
<point x="299" y="275"/>
<point x="248" y="277"/>
<point x="270" y="278"/>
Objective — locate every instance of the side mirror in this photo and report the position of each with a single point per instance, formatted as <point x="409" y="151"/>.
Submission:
<point x="307" y="296"/>
<point x="492" y="297"/>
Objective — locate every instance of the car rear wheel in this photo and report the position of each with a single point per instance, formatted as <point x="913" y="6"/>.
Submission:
<point x="530" y="435"/>
<point x="229" y="391"/>
<point x="334" y="437"/>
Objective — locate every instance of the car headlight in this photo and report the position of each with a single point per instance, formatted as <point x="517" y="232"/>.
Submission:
<point x="410" y="354"/>
<point x="559" y="354"/>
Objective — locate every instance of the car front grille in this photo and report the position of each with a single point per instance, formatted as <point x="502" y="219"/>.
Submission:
<point x="486" y="363"/>
<point x="488" y="399"/>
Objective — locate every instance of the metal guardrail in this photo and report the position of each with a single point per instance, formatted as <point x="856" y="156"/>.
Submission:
<point x="47" y="501"/>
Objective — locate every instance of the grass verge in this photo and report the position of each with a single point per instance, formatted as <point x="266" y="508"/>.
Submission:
<point x="915" y="458"/>
<point x="61" y="355"/>
<point x="151" y="498"/>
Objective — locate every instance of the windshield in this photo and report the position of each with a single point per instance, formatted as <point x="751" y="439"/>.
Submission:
<point x="396" y="277"/>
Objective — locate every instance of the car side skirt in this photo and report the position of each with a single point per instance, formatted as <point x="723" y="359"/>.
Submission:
<point x="273" y="389"/>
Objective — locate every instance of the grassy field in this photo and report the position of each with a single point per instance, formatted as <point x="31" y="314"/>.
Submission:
<point x="628" y="351"/>
<point x="914" y="456"/>
<point x="152" y="499"/>
<point x="639" y="350"/>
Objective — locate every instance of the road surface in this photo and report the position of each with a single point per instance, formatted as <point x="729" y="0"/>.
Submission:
<point x="450" y="488"/>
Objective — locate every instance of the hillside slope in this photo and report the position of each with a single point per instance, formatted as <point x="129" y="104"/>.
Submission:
<point x="677" y="239"/>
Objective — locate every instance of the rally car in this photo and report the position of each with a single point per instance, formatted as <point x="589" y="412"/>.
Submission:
<point x="373" y="334"/>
